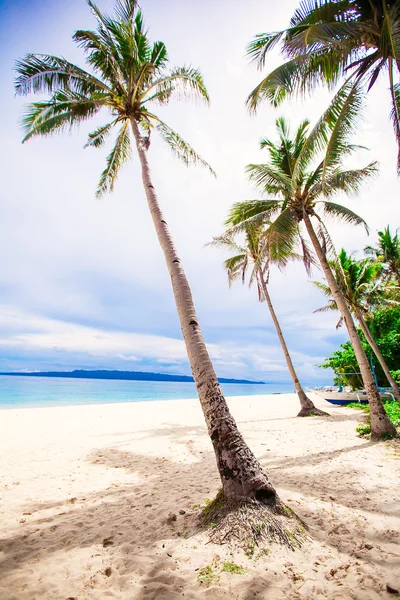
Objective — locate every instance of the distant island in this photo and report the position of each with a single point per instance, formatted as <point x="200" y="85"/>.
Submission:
<point x="124" y="375"/>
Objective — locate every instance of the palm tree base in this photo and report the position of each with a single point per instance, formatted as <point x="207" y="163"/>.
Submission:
<point x="250" y="524"/>
<point x="312" y="411"/>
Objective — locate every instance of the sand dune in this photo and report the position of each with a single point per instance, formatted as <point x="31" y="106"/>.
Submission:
<point x="101" y="502"/>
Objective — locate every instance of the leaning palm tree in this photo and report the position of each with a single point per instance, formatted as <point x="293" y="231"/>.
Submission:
<point x="359" y="282"/>
<point x="128" y="76"/>
<point x="303" y="173"/>
<point x="252" y="254"/>
<point x="387" y="253"/>
<point x="329" y="41"/>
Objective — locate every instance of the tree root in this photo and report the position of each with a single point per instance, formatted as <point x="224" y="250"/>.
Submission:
<point x="313" y="412"/>
<point x="248" y="524"/>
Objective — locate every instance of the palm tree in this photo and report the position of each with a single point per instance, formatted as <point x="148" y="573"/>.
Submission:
<point x="301" y="188"/>
<point x="358" y="281"/>
<point x="129" y="76"/>
<point x="253" y="253"/>
<point x="331" y="40"/>
<point x="387" y="253"/>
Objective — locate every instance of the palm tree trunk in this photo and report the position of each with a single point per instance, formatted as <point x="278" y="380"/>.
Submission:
<point x="241" y="474"/>
<point x="380" y="422"/>
<point x="307" y="406"/>
<point x="368" y="335"/>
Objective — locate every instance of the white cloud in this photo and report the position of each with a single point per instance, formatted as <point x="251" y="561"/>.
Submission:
<point x="69" y="259"/>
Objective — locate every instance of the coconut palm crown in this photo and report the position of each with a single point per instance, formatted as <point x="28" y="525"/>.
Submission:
<point x="360" y="283"/>
<point x="128" y="76"/>
<point x="303" y="173"/>
<point x="329" y="41"/>
<point x="387" y="253"/>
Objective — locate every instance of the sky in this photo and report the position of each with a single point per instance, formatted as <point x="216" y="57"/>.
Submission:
<point x="83" y="282"/>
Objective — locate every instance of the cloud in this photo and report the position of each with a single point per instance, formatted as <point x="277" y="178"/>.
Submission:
<point x="85" y="280"/>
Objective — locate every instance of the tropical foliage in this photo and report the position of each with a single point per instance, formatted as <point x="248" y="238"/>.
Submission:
<point x="304" y="171"/>
<point x="360" y="284"/>
<point x="387" y="253"/>
<point x="364" y="291"/>
<point x="385" y="328"/>
<point x="127" y="75"/>
<point x="332" y="41"/>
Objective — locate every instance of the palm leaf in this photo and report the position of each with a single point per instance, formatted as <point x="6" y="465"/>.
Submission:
<point x="182" y="81"/>
<point x="125" y="10"/>
<point x="251" y="211"/>
<point x="271" y="180"/>
<point x="43" y="73"/>
<point x="63" y="111"/>
<point x="282" y="236"/>
<point x="335" y="126"/>
<point x="98" y="137"/>
<point x="349" y="182"/>
<point x="115" y="160"/>
<point x="341" y="213"/>
<point x="179" y="147"/>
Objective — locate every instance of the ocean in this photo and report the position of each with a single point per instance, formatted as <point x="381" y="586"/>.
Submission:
<point x="25" y="392"/>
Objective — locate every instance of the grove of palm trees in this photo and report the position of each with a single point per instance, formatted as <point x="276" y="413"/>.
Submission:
<point x="304" y="173"/>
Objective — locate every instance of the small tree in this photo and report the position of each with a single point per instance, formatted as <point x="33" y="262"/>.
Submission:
<point x="252" y="256"/>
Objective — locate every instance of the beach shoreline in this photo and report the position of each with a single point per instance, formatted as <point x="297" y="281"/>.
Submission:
<point x="87" y="494"/>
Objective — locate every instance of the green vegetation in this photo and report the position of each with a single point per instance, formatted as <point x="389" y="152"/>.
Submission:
<point x="364" y="291"/>
<point x="210" y="574"/>
<point x="303" y="172"/>
<point x="392" y="408"/>
<point x="329" y="41"/>
<point x="385" y="328"/>
<point x="233" y="568"/>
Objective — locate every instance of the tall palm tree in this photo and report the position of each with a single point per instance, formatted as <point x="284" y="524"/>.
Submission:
<point x="332" y="40"/>
<point x="129" y="76"/>
<point x="387" y="252"/>
<point x="303" y="173"/>
<point x="253" y="254"/>
<point x="358" y="281"/>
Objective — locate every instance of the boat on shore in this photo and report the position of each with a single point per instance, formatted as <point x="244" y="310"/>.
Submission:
<point x="342" y="397"/>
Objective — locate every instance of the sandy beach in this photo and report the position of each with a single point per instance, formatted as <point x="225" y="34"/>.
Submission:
<point x="102" y="501"/>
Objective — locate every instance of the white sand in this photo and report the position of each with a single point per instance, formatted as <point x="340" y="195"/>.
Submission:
<point x="90" y="488"/>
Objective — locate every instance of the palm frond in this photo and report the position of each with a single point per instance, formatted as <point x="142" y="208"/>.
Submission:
<point x="97" y="137"/>
<point x="115" y="160"/>
<point x="180" y="148"/>
<point x="125" y="10"/>
<point x="334" y="127"/>
<point x="44" y="73"/>
<point x="258" y="48"/>
<point x="349" y="182"/>
<point x="65" y="110"/>
<point x="341" y="213"/>
<point x="182" y="82"/>
<point x="282" y="236"/>
<point x="255" y="211"/>
<point x="269" y="178"/>
<point x="103" y="56"/>
<point x="395" y="113"/>
<point x="325" y="289"/>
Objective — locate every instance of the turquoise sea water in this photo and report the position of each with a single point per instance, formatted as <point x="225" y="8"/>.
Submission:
<point x="24" y="392"/>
